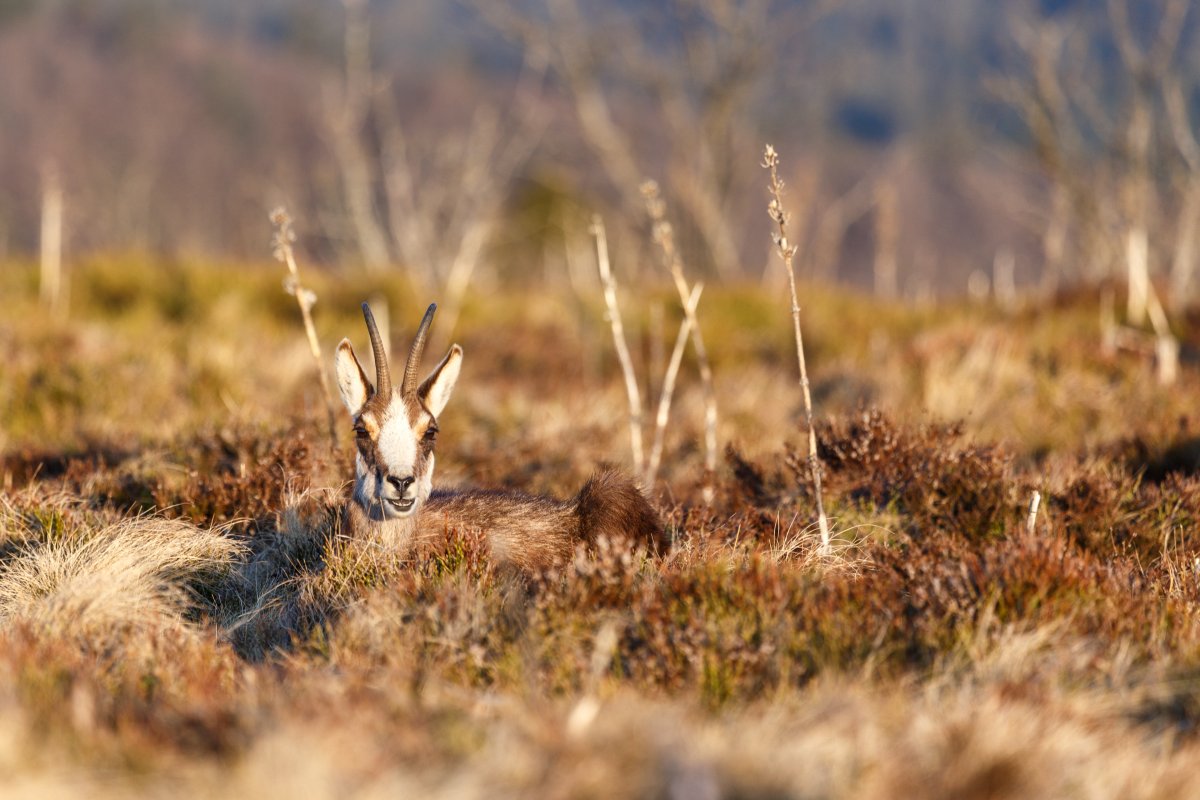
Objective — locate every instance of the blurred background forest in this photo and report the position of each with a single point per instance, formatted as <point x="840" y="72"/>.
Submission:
<point x="930" y="147"/>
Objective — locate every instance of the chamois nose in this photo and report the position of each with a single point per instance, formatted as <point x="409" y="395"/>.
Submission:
<point x="401" y="485"/>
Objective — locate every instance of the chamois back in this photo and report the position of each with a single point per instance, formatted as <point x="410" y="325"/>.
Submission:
<point x="533" y="532"/>
<point x="610" y="505"/>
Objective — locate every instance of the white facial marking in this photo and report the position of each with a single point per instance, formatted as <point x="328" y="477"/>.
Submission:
<point x="398" y="446"/>
<point x="362" y="489"/>
<point x="425" y="482"/>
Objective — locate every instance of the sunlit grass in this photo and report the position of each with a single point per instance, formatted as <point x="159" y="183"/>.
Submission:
<point x="938" y="648"/>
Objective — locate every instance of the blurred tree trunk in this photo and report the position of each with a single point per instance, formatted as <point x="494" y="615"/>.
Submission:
<point x="1183" y="265"/>
<point x="693" y="74"/>
<point x="1137" y="199"/>
<point x="346" y="127"/>
<point x="887" y="236"/>
<point x="1098" y="135"/>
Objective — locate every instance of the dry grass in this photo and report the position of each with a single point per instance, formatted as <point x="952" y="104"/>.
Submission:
<point x="941" y="649"/>
<point x="99" y="585"/>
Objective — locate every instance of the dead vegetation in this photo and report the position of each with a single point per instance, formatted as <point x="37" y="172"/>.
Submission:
<point x="942" y="648"/>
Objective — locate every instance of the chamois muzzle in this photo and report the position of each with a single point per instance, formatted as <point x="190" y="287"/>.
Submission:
<point x="405" y="491"/>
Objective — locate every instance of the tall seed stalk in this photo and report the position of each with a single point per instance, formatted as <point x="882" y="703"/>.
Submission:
<point x="281" y="244"/>
<point x="787" y="253"/>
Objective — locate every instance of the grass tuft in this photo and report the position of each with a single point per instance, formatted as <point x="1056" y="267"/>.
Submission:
<point x="135" y="575"/>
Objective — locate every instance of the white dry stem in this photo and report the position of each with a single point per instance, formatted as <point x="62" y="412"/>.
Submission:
<point x="51" y="240"/>
<point x="1166" y="345"/>
<point x="787" y="253"/>
<point x="656" y="359"/>
<point x="618" y="332"/>
<point x="664" y="237"/>
<point x="1137" y="250"/>
<point x="305" y="298"/>
<point x="588" y="708"/>
<point x="668" y="386"/>
<point x="1031" y="521"/>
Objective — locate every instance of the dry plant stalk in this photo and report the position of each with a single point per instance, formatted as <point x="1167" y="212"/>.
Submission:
<point x="281" y="244"/>
<point x="664" y="237"/>
<point x="588" y="708"/>
<point x="1166" y="346"/>
<point x="668" y="391"/>
<point x="1137" y="250"/>
<point x="1031" y="521"/>
<point x="51" y="240"/>
<point x="787" y="253"/>
<point x="618" y="332"/>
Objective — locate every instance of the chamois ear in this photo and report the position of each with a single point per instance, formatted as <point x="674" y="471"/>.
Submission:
<point x="352" y="381"/>
<point x="435" y="391"/>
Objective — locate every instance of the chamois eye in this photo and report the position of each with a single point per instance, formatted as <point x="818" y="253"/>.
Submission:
<point x="361" y="432"/>
<point x="431" y="433"/>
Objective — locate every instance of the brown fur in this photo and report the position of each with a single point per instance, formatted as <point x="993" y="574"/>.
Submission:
<point x="530" y="532"/>
<point x="611" y="506"/>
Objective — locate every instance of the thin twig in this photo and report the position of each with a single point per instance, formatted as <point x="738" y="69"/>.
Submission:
<point x="1166" y="346"/>
<point x="281" y="243"/>
<point x="668" y="386"/>
<point x="664" y="237"/>
<point x="618" y="331"/>
<point x="1031" y="520"/>
<point x="787" y="253"/>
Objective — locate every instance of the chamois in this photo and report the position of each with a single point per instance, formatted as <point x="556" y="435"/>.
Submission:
<point x="394" y="501"/>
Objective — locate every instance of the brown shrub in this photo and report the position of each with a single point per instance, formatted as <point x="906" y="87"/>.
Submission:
<point x="927" y="473"/>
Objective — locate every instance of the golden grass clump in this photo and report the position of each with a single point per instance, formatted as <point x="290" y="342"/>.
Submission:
<point x="132" y="575"/>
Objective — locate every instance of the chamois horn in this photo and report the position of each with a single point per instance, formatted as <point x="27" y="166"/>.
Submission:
<point x="383" y="373"/>
<point x="409" y="387"/>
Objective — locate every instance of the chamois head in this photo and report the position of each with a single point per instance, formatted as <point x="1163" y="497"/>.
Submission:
<point x="394" y="429"/>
